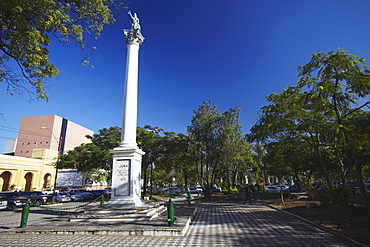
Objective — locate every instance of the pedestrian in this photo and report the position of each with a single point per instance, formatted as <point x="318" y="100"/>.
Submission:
<point x="247" y="195"/>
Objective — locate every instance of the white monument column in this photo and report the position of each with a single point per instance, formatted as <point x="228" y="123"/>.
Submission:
<point x="126" y="171"/>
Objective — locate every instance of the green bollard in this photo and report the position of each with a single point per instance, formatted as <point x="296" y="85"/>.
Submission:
<point x="171" y="213"/>
<point x="101" y="200"/>
<point x="189" y="198"/>
<point x="25" y="212"/>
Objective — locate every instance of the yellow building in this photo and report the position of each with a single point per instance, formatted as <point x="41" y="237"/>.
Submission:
<point x="40" y="139"/>
<point x="35" y="173"/>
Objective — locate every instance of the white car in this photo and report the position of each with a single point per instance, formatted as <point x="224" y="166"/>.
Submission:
<point x="62" y="197"/>
<point x="3" y="204"/>
<point x="49" y="191"/>
<point x="195" y="190"/>
<point x="278" y="187"/>
<point x="272" y="188"/>
<point x="76" y="197"/>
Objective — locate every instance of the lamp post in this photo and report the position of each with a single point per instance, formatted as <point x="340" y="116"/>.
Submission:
<point x="56" y="167"/>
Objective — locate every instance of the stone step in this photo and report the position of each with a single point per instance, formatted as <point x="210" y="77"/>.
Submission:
<point x="120" y="214"/>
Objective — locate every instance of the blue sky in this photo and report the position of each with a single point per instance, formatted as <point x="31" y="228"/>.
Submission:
<point x="232" y="52"/>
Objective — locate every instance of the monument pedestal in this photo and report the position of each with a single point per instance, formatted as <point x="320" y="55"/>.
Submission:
<point x="126" y="178"/>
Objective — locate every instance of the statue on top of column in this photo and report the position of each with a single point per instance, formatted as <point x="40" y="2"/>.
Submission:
<point x="134" y="35"/>
<point x="134" y="21"/>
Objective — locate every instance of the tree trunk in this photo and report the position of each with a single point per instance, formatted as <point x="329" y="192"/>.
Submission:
<point x="323" y="167"/>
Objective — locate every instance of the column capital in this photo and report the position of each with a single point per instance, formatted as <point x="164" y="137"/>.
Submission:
<point x="133" y="36"/>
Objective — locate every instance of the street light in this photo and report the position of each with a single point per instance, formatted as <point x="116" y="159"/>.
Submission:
<point x="56" y="167"/>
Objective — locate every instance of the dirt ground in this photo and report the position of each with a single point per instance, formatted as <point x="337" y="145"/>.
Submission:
<point x="358" y="229"/>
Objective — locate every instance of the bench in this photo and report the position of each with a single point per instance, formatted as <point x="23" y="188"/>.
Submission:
<point x="338" y="215"/>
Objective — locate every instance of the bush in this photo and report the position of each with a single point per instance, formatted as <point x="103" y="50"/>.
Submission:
<point x="234" y="191"/>
<point x="338" y="196"/>
<point x="306" y="186"/>
<point x="260" y="187"/>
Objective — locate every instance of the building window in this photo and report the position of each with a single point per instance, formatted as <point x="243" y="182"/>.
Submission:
<point x="28" y="143"/>
<point x="40" y="142"/>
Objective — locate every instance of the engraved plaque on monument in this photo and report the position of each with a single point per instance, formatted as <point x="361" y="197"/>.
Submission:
<point x="123" y="172"/>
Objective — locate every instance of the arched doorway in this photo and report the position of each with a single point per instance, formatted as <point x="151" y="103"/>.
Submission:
<point x="5" y="181"/>
<point x="46" y="183"/>
<point x="28" y="177"/>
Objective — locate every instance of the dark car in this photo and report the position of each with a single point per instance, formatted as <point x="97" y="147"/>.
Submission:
<point x="105" y="192"/>
<point x="14" y="199"/>
<point x="86" y="195"/>
<point x="295" y="188"/>
<point x="36" y="197"/>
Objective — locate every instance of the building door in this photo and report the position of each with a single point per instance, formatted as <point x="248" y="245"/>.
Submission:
<point x="28" y="177"/>
<point x="5" y="180"/>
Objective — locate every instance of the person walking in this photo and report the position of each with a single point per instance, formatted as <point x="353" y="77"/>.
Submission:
<point x="247" y="195"/>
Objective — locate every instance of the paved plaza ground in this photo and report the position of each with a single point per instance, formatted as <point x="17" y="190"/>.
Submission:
<point x="214" y="224"/>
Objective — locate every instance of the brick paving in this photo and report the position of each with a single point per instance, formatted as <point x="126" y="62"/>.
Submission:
<point x="215" y="224"/>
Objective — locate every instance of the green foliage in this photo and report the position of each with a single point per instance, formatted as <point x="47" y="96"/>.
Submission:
<point x="260" y="186"/>
<point x="233" y="191"/>
<point x="322" y="117"/>
<point x="94" y="158"/>
<point x="26" y="31"/>
<point x="306" y="186"/>
<point x="218" y="146"/>
<point x="339" y="196"/>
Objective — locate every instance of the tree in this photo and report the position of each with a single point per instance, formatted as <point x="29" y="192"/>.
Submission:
<point x="95" y="155"/>
<point x="149" y="140"/>
<point x="26" y="31"/>
<point x="320" y="110"/>
<point x="293" y="115"/>
<point x="340" y="80"/>
<point x="177" y="159"/>
<point x="214" y="140"/>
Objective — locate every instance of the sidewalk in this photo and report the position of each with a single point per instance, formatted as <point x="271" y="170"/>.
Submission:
<point x="214" y="224"/>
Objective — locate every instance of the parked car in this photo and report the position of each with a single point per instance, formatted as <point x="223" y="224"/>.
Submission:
<point x="295" y="188"/>
<point x="174" y="190"/>
<point x="105" y="192"/>
<point x="272" y="188"/>
<point x="216" y="189"/>
<point x="49" y="191"/>
<point x="3" y="204"/>
<point x="76" y="197"/>
<point x="278" y="187"/>
<point x="336" y="184"/>
<point x="36" y="197"/>
<point x="62" y="197"/>
<point x="14" y="199"/>
<point x="358" y="192"/>
<point x="195" y="190"/>
<point x="86" y="195"/>
<point x="352" y="184"/>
